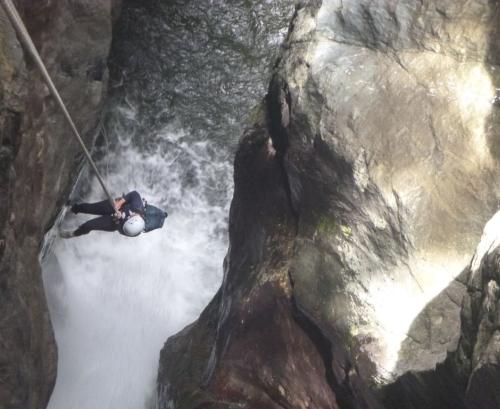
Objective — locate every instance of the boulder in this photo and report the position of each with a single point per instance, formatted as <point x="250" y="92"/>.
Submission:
<point x="360" y="195"/>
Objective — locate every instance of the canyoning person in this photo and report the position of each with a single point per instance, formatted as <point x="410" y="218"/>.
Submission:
<point x="133" y="216"/>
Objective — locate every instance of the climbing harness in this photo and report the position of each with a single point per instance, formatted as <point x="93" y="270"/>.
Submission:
<point x="26" y="40"/>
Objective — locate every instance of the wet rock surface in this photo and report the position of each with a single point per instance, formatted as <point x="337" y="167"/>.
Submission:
<point x="360" y="195"/>
<point x="467" y="376"/>
<point x="479" y="343"/>
<point x="39" y="160"/>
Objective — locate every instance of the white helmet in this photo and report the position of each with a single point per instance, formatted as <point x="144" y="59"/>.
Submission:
<point x="133" y="226"/>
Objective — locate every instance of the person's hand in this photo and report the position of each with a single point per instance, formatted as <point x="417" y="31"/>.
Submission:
<point x="119" y="203"/>
<point x="117" y="216"/>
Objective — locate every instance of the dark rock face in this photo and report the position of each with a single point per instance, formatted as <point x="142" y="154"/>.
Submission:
<point x="479" y="343"/>
<point x="261" y="340"/>
<point x="38" y="161"/>
<point x="360" y="195"/>
<point x="468" y="376"/>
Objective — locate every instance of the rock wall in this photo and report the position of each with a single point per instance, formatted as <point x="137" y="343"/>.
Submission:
<point x="479" y="345"/>
<point x="467" y="375"/>
<point x="360" y="194"/>
<point x="39" y="160"/>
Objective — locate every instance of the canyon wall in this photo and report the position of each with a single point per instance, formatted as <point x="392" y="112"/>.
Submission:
<point x="39" y="161"/>
<point x="361" y="192"/>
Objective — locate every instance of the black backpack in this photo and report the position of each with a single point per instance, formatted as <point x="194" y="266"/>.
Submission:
<point x="153" y="217"/>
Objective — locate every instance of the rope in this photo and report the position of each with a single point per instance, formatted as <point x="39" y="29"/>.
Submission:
<point x="25" y="39"/>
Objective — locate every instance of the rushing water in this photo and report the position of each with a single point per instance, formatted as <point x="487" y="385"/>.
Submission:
<point x="184" y="75"/>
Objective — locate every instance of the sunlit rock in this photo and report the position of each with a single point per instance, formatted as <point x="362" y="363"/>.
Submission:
<point x="383" y="117"/>
<point x="450" y="358"/>
<point x="393" y="116"/>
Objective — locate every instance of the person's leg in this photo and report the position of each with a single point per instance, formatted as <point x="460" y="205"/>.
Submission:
<point x="101" y="208"/>
<point x="103" y="223"/>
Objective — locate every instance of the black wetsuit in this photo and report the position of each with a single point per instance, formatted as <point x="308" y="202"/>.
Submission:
<point x="106" y="222"/>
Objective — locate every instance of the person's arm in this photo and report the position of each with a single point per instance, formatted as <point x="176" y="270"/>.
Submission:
<point x="135" y="201"/>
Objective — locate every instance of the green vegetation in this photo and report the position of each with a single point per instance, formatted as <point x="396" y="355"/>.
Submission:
<point x="328" y="225"/>
<point x="346" y="231"/>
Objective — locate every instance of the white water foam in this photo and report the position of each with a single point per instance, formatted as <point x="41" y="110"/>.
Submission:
<point x="115" y="300"/>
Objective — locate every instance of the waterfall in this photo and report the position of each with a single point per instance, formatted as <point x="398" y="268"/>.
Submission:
<point x="183" y="77"/>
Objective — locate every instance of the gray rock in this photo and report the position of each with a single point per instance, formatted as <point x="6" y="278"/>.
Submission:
<point x="480" y="336"/>
<point x="401" y="170"/>
<point x="360" y="193"/>
<point x="382" y="117"/>
<point x="39" y="160"/>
